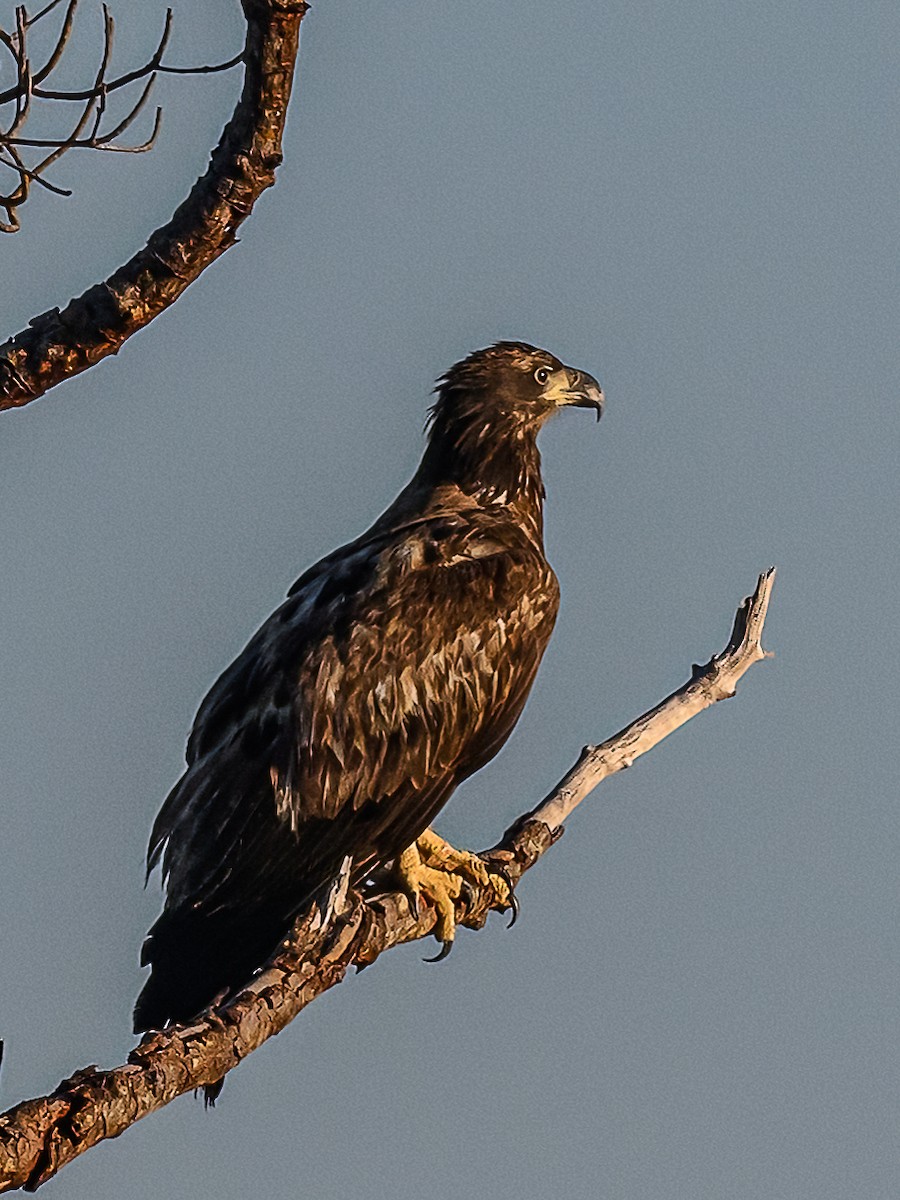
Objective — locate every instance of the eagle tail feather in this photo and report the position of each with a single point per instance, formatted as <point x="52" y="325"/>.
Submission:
<point x="199" y="957"/>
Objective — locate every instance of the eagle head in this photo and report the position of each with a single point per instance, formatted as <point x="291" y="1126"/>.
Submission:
<point x="483" y="426"/>
<point x="512" y="384"/>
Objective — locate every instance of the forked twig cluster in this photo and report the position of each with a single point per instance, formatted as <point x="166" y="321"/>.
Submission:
<point x="28" y="158"/>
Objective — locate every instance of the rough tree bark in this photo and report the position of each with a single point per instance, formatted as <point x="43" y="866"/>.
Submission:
<point x="59" y="344"/>
<point x="38" y="1137"/>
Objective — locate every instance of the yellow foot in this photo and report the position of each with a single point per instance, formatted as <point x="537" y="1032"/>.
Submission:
<point x="437" y="853"/>
<point x="437" y="870"/>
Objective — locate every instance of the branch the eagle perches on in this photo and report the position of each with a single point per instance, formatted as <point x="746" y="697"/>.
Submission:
<point x="38" y="1137"/>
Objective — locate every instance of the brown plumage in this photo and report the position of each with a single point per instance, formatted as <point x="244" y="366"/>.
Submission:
<point x="396" y="667"/>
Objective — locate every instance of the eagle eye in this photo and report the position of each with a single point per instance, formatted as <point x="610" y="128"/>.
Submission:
<point x="542" y="374"/>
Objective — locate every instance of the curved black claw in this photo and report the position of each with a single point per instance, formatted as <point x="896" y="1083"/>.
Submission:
<point x="445" y="949"/>
<point x="513" y="899"/>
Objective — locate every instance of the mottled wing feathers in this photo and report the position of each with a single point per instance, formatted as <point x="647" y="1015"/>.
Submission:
<point x="400" y="693"/>
<point x="395" y="668"/>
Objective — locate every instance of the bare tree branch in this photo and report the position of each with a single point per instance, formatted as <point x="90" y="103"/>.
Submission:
<point x="59" y="344"/>
<point x="40" y="1136"/>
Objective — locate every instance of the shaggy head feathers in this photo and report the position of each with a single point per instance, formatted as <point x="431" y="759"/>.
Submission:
<point x="496" y="384"/>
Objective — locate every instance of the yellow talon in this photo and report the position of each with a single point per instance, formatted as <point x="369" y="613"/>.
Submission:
<point x="437" y="870"/>
<point x="438" y="853"/>
<point x="441" y="888"/>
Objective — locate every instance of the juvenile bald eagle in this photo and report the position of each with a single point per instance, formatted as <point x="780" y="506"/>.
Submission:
<point x="396" y="667"/>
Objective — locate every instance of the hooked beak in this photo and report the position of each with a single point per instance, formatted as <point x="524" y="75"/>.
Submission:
<point x="576" y="389"/>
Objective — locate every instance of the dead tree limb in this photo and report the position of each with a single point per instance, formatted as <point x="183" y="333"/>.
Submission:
<point x="38" y="1137"/>
<point x="59" y="344"/>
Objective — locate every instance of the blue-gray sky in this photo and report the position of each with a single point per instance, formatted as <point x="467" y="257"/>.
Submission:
<point x="695" y="202"/>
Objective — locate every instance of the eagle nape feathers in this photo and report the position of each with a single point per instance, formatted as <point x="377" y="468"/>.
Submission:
<point x="396" y="667"/>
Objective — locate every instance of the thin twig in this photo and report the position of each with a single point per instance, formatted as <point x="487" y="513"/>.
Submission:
<point x="20" y="167"/>
<point x="210" y="70"/>
<point x="61" y="41"/>
<point x="43" y="12"/>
